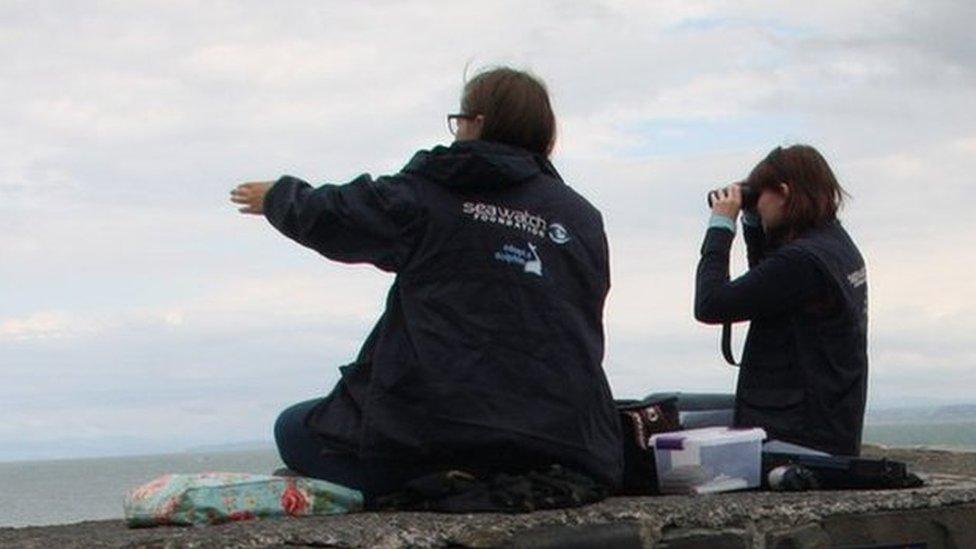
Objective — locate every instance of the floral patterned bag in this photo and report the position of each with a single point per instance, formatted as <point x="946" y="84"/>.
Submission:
<point x="213" y="498"/>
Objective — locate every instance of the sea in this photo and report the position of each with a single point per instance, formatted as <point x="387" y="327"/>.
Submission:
<point x="38" y="493"/>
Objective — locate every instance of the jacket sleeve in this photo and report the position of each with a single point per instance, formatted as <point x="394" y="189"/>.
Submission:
<point x="785" y="280"/>
<point x="755" y="238"/>
<point x="363" y="221"/>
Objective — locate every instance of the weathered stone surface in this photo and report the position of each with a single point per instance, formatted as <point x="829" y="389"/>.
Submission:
<point x="622" y="535"/>
<point x="940" y="527"/>
<point x="694" y="538"/>
<point x="811" y="536"/>
<point x="929" y="461"/>
<point x="942" y="514"/>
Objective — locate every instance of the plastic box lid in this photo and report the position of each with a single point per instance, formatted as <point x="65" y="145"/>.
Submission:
<point x="707" y="436"/>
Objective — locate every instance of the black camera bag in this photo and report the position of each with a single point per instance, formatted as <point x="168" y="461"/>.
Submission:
<point x="639" y="419"/>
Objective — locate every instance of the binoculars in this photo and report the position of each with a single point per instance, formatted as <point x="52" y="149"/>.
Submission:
<point x="750" y="196"/>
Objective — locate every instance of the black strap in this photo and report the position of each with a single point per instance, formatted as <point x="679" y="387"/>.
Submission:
<point x="727" y="344"/>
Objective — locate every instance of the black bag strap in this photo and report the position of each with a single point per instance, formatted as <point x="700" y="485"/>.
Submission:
<point x="727" y="344"/>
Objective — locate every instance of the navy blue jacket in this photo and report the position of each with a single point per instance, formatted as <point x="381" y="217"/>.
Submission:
<point x="803" y="375"/>
<point x="489" y="352"/>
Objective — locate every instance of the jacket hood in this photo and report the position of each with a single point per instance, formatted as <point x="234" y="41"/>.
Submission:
<point x="478" y="164"/>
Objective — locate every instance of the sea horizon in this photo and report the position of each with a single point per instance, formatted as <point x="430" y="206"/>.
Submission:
<point x="231" y="447"/>
<point x="57" y="491"/>
<point x="880" y="420"/>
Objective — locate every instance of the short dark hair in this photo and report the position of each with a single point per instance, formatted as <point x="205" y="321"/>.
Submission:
<point x="515" y="106"/>
<point x="815" y="195"/>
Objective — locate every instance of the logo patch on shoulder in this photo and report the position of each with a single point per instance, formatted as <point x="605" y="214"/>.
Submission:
<point x="558" y="233"/>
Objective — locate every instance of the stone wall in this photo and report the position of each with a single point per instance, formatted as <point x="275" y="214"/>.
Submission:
<point x="940" y="514"/>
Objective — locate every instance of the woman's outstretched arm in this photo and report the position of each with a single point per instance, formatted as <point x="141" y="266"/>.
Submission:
<point x="363" y="221"/>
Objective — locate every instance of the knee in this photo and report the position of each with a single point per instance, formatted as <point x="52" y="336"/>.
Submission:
<point x="281" y="428"/>
<point x="289" y="428"/>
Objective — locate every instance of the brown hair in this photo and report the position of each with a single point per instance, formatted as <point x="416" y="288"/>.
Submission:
<point x="516" y="108"/>
<point x="815" y="195"/>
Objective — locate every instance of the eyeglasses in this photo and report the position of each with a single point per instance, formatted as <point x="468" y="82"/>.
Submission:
<point x="452" y="121"/>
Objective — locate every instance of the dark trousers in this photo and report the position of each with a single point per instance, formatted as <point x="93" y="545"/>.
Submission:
<point x="304" y="452"/>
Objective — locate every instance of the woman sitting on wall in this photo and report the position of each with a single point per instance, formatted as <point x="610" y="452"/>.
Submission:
<point x="803" y="376"/>
<point x="488" y="356"/>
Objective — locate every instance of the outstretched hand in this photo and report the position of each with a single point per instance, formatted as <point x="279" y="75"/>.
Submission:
<point x="251" y="196"/>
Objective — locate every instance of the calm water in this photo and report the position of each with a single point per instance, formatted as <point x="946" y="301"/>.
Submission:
<point x="952" y="436"/>
<point x="57" y="492"/>
<point x="63" y="491"/>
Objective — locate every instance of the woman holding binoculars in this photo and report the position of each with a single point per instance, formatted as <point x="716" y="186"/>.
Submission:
<point x="803" y="375"/>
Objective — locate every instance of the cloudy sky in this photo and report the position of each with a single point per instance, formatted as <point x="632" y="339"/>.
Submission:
<point x="140" y="313"/>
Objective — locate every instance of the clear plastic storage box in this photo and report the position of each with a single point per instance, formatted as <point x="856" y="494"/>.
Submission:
<point x="712" y="459"/>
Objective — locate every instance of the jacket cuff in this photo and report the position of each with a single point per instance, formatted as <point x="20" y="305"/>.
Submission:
<point x="719" y="221"/>
<point x="265" y="203"/>
<point x="268" y="205"/>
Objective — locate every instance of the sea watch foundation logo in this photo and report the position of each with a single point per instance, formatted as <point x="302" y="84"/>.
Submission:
<point x="516" y="219"/>
<point x="521" y="220"/>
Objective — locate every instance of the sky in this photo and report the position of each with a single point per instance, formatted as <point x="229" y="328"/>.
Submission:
<point x="140" y="313"/>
